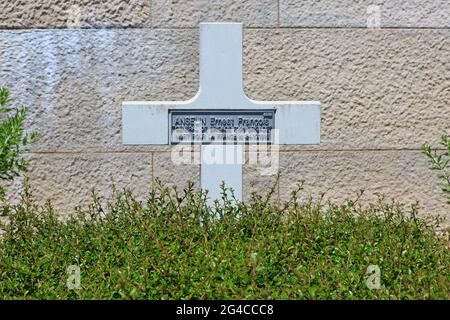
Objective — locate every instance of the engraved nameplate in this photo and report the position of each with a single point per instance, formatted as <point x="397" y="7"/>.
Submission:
<point x="216" y="126"/>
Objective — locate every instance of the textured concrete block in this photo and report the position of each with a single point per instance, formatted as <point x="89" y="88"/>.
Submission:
<point x="68" y="179"/>
<point x="340" y="175"/>
<point x="378" y="89"/>
<point x="260" y="175"/>
<point x="182" y="14"/>
<point x="74" y="13"/>
<point x="13" y="189"/>
<point x="176" y="169"/>
<point x="365" y="13"/>
<point x="74" y="82"/>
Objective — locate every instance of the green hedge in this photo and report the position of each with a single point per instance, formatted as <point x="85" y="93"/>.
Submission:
<point x="173" y="247"/>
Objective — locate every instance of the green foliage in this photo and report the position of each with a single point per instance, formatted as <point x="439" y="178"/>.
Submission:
<point x="173" y="246"/>
<point x="440" y="161"/>
<point x="13" y="140"/>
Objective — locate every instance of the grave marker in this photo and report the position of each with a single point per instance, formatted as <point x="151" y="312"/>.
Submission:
<point x="221" y="117"/>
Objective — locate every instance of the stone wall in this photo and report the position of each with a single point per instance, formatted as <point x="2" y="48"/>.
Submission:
<point x="385" y="89"/>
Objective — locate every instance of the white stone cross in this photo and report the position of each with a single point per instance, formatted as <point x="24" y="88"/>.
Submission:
<point x="221" y="89"/>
